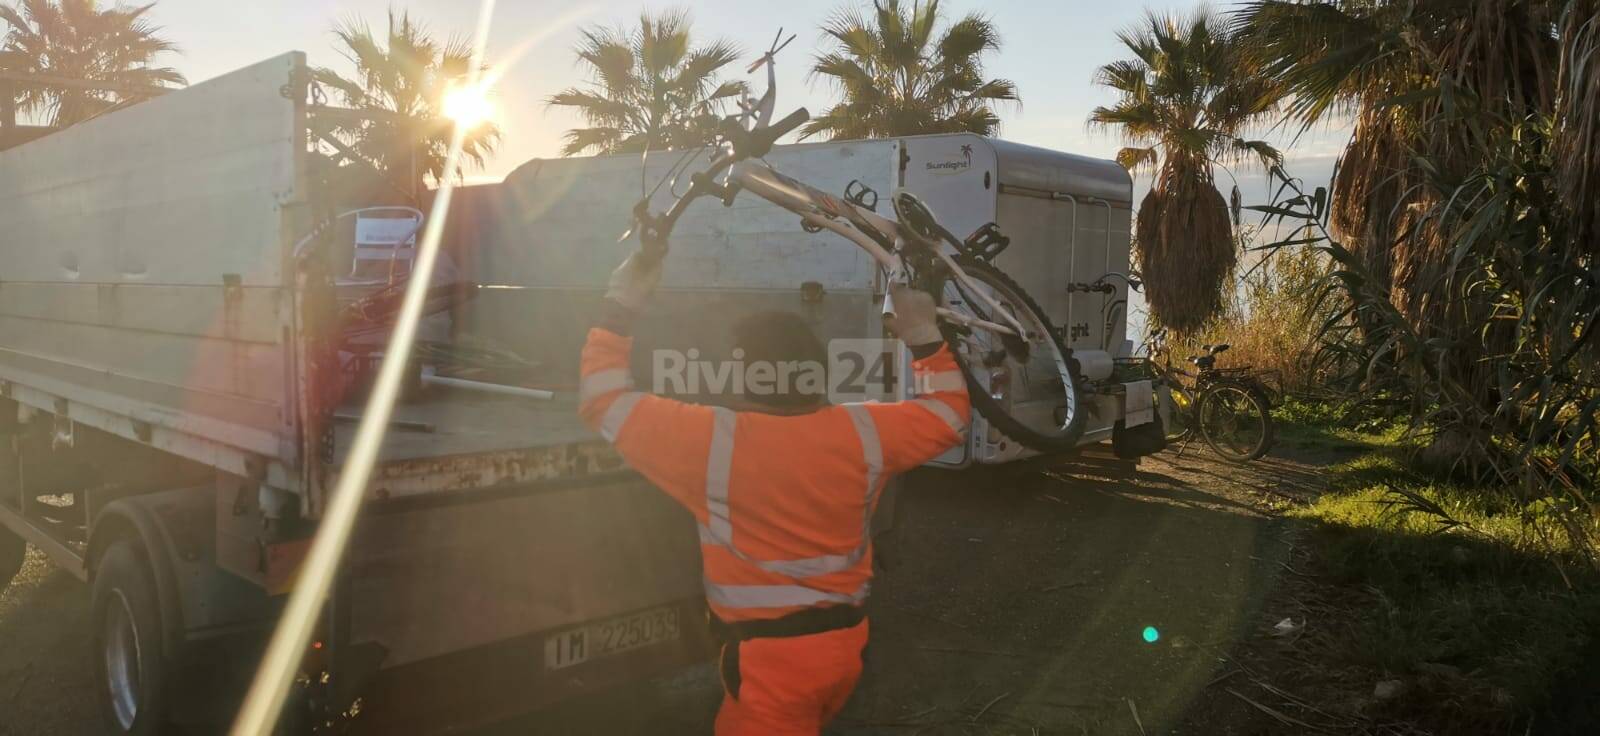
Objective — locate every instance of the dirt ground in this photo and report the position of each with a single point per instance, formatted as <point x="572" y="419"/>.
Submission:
<point x="1010" y="602"/>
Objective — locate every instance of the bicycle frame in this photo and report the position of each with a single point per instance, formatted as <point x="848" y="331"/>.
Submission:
<point x="879" y="236"/>
<point x="1204" y="378"/>
<point x="867" y="229"/>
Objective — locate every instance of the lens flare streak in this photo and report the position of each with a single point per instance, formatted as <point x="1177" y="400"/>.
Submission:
<point x="264" y="702"/>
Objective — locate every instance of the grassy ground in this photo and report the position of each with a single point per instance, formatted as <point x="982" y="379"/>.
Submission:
<point x="1442" y="612"/>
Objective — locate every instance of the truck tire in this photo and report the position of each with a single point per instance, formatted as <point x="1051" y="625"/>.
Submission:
<point x="130" y="668"/>
<point x="13" y="550"/>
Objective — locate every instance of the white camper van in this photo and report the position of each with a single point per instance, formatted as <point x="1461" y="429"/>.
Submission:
<point x="549" y="233"/>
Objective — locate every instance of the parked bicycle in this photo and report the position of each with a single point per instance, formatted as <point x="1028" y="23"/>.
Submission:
<point x="1017" y="369"/>
<point x="1230" y="408"/>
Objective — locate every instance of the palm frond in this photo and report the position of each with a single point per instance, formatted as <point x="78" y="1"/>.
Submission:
<point x="405" y="73"/>
<point x="1263" y="151"/>
<point x="1134" y="159"/>
<point x="581" y="140"/>
<point x="596" y="107"/>
<point x="997" y="90"/>
<point x="968" y="38"/>
<point x="1128" y="76"/>
<point x="77" y="39"/>
<point x="898" y="69"/>
<point x="651" y="85"/>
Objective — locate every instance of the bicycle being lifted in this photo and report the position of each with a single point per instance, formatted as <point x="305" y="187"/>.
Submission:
<point x="1020" y="375"/>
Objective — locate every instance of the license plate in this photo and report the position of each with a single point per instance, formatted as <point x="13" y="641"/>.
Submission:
<point x="610" y="636"/>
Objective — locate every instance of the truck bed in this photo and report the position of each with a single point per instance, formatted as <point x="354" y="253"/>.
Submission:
<point x="451" y="440"/>
<point x="463" y="422"/>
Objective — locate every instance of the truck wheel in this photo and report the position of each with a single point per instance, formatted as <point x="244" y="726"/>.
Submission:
<point x="13" y="550"/>
<point x="127" y="652"/>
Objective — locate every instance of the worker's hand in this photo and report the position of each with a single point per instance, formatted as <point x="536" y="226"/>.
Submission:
<point x="916" y="317"/>
<point x="634" y="281"/>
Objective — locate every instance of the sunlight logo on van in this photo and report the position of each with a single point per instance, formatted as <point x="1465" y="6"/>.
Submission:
<point x="952" y="166"/>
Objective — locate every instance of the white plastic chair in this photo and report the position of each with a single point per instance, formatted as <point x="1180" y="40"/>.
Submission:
<point x="385" y="244"/>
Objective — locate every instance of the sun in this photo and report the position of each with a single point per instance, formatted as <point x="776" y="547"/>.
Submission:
<point x="468" y="106"/>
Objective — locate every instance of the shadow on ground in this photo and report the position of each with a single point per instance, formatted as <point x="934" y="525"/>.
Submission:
<point x="1017" y="602"/>
<point x="1009" y="601"/>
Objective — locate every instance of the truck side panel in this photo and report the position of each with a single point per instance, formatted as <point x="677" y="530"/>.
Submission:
<point x="551" y="238"/>
<point x="449" y="577"/>
<point x="177" y="190"/>
<point x="146" y="274"/>
<point x="563" y="219"/>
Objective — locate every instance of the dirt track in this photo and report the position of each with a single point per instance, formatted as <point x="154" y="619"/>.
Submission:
<point x="1012" y="602"/>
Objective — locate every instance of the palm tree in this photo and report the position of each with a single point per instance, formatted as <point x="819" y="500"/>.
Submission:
<point x="1393" y="67"/>
<point x="76" y="40"/>
<point x="1465" y="219"/>
<point x="1186" y="97"/>
<point x="650" y="87"/>
<point x="899" y="73"/>
<point x="399" y="87"/>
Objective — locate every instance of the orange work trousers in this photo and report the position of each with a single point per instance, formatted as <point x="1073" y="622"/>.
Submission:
<point x="789" y="686"/>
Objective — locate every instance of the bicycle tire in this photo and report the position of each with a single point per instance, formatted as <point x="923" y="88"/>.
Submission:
<point x="1268" y="400"/>
<point x="1208" y="422"/>
<point x="1001" y="412"/>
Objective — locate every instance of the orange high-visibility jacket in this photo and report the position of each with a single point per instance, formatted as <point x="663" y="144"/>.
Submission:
<point x="783" y="502"/>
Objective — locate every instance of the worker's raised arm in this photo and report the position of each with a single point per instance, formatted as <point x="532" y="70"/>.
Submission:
<point x="666" y="441"/>
<point x="921" y="429"/>
<point x="916" y="431"/>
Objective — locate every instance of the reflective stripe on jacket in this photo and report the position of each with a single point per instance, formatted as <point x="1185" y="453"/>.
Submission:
<point x="783" y="503"/>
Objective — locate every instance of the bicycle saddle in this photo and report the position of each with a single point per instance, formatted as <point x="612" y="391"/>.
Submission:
<point x="1209" y="360"/>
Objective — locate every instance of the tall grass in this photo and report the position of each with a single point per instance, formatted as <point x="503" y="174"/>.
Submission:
<point x="1509" y="401"/>
<point x="1270" y="320"/>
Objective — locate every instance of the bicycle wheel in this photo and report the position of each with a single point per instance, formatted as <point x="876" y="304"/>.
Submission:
<point x="1030" y="392"/>
<point x="1235" y="422"/>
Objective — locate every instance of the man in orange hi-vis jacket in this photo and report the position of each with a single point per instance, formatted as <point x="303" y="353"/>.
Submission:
<point x="783" y="495"/>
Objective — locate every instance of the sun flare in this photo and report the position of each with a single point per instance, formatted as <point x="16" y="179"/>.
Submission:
<point x="469" y="106"/>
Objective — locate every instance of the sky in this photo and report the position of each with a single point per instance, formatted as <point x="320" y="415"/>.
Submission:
<point x="1050" y="49"/>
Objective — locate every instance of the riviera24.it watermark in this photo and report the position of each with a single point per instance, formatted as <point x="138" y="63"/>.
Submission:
<point x="856" y="370"/>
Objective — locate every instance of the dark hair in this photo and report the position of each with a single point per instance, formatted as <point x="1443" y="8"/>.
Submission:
<point x="776" y="337"/>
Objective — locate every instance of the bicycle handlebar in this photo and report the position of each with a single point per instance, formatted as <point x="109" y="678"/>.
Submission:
<point x="759" y="143"/>
<point x="653" y="230"/>
<point x="739" y="144"/>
